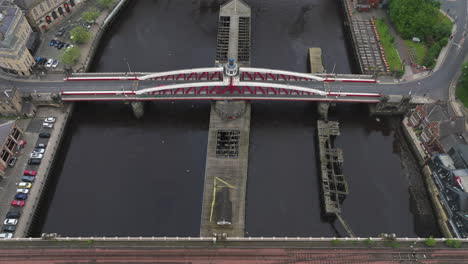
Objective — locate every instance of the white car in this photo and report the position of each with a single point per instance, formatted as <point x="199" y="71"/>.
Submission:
<point x="38" y="150"/>
<point x="22" y="191"/>
<point x="10" y="221"/>
<point x="6" y="235"/>
<point x="55" y="64"/>
<point x="50" y="120"/>
<point x="36" y="156"/>
<point x="25" y="185"/>
<point x="49" y="63"/>
<point x="47" y="125"/>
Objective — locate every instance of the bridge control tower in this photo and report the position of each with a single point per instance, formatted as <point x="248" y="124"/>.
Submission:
<point x="223" y="209"/>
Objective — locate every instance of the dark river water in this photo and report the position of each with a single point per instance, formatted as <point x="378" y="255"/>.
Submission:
<point x="125" y="177"/>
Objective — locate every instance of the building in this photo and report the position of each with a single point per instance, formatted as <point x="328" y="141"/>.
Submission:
<point x="15" y="32"/>
<point x="10" y="102"/>
<point x="438" y="131"/>
<point x="10" y="136"/>
<point x="44" y="13"/>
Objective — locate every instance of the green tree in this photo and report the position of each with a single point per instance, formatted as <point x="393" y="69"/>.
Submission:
<point x="70" y="56"/>
<point x="79" y="35"/>
<point x="106" y="3"/>
<point x="91" y="15"/>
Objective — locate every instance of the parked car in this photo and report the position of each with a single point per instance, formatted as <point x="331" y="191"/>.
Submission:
<point x="36" y="156"/>
<point x="10" y="221"/>
<point x="17" y="203"/>
<point x="52" y="42"/>
<point x="47" y="125"/>
<point x="41" y="145"/>
<point x="49" y="63"/>
<point x="34" y="161"/>
<point x="70" y="46"/>
<point x="9" y="228"/>
<point x="30" y="172"/>
<point x="55" y="64"/>
<point x="50" y="119"/>
<point x="25" y="185"/>
<point x="37" y="59"/>
<point x="57" y="43"/>
<point x="21" y="196"/>
<point x="6" y="235"/>
<point x="28" y="179"/>
<point x="44" y="135"/>
<point x="26" y="191"/>
<point x="43" y="61"/>
<point x="39" y="151"/>
<point x="12" y="161"/>
<point x="61" y="45"/>
<point x="13" y="214"/>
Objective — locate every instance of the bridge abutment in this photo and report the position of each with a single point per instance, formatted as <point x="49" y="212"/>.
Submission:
<point x="138" y="109"/>
<point x="391" y="105"/>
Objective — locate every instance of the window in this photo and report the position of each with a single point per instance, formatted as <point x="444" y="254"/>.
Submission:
<point x="35" y="13"/>
<point x="42" y="8"/>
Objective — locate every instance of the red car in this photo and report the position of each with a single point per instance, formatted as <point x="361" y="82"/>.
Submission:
<point x="17" y="203"/>
<point x="30" y="173"/>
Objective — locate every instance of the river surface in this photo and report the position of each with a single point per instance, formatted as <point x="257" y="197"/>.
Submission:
<point x="125" y="177"/>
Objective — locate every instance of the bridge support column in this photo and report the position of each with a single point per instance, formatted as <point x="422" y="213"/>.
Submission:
<point x="229" y="110"/>
<point x="138" y="109"/>
<point x="391" y="105"/>
<point x="322" y="109"/>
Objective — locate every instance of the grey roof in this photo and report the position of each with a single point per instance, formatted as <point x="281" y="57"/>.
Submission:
<point x="450" y="141"/>
<point x="462" y="150"/>
<point x="8" y="13"/>
<point x="26" y="4"/>
<point x="5" y="127"/>
<point x="435" y="113"/>
<point x="235" y="7"/>
<point x="453" y="126"/>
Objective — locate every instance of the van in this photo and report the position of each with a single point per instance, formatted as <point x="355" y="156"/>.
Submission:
<point x="13" y="215"/>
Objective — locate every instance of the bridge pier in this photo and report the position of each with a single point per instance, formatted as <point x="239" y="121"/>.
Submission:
<point x="228" y="110"/>
<point x="322" y="109"/>
<point x="138" y="108"/>
<point x="391" y="105"/>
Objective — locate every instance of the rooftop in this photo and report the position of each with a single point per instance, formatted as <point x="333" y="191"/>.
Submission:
<point x="5" y="127"/>
<point x="8" y="15"/>
<point x="446" y="161"/>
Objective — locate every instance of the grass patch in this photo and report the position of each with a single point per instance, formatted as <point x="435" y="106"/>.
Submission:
<point x="420" y="50"/>
<point x="462" y="94"/>
<point x="387" y="41"/>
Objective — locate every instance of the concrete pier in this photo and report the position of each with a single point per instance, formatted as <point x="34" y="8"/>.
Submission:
<point x="315" y="60"/>
<point x="223" y="209"/>
<point x="138" y="109"/>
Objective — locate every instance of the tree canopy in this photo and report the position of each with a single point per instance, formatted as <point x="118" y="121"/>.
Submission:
<point x="70" y="56"/>
<point x="106" y="3"/>
<point x="79" y="35"/>
<point x="91" y="15"/>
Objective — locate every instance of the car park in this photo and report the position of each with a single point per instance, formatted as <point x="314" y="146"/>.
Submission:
<point x="44" y="135"/>
<point x="26" y="191"/>
<point x="36" y="156"/>
<point x="17" y="203"/>
<point x="39" y="151"/>
<point x="49" y="63"/>
<point x="47" y="125"/>
<point x="9" y="221"/>
<point x="28" y="178"/>
<point x="41" y="145"/>
<point x="34" y="161"/>
<point x="50" y="119"/>
<point x="55" y="64"/>
<point x="21" y="196"/>
<point x="26" y="185"/>
<point x="9" y="228"/>
<point x="6" y="235"/>
<point x="13" y="214"/>
<point x="30" y="172"/>
<point x="12" y="162"/>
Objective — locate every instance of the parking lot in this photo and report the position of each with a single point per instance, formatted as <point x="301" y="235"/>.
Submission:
<point x="13" y="176"/>
<point x="58" y="32"/>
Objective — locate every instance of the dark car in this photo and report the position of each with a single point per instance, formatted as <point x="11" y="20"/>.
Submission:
<point x="61" y="45"/>
<point x="28" y="178"/>
<point x="34" y="161"/>
<point x="52" y="42"/>
<point x="44" y="135"/>
<point x="57" y="43"/>
<point x="9" y="228"/>
<point x="21" y="196"/>
<point x="14" y="215"/>
<point x="43" y="61"/>
<point x="12" y="162"/>
<point x="38" y="59"/>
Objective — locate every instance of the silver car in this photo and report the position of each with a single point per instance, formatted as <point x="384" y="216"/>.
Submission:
<point x="36" y="156"/>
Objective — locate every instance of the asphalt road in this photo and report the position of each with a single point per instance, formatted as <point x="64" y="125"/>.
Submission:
<point x="434" y="85"/>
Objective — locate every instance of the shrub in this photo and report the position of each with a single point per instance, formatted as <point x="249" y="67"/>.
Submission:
<point x="336" y="242"/>
<point x="70" y="56"/>
<point x="79" y="35"/>
<point x="430" y="242"/>
<point x="91" y="15"/>
<point x="106" y="3"/>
